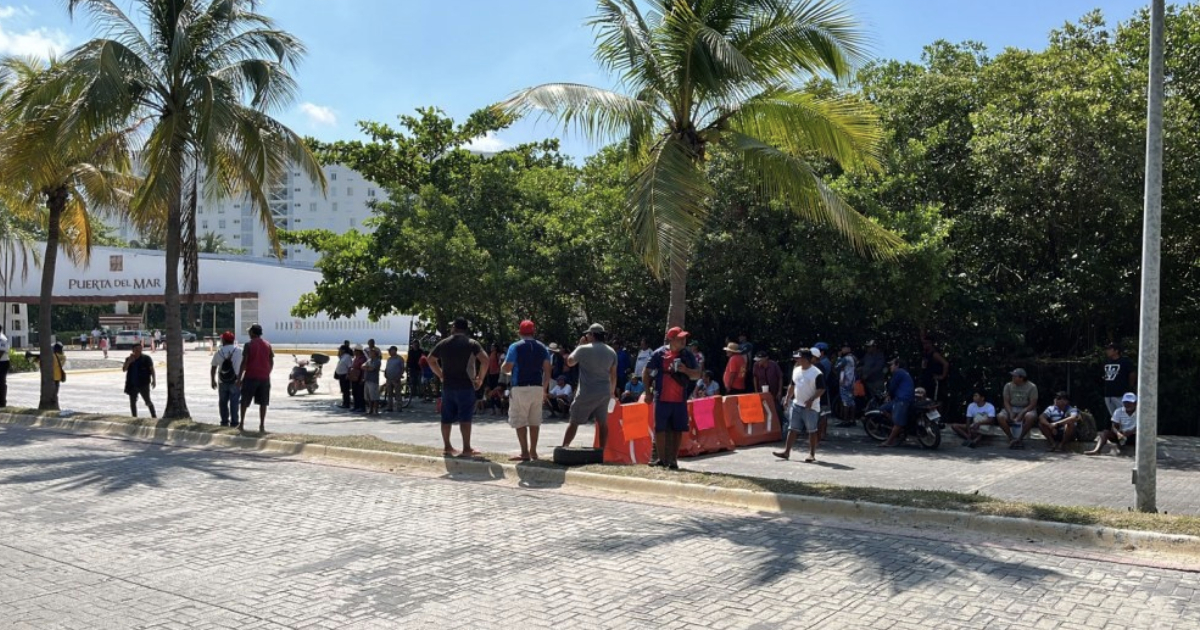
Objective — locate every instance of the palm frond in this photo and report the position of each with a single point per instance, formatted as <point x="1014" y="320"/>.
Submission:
<point x="667" y="205"/>
<point x="624" y="43"/>
<point x="843" y="129"/>
<point x="600" y="115"/>
<point x="114" y="24"/>
<point x="791" y="181"/>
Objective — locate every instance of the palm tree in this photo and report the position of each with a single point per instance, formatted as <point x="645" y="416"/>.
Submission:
<point x="200" y="80"/>
<point x="704" y="74"/>
<point x="71" y="170"/>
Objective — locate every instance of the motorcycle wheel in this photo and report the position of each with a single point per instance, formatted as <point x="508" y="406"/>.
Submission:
<point x="929" y="435"/>
<point x="291" y="389"/>
<point x="877" y="426"/>
<point x="312" y="389"/>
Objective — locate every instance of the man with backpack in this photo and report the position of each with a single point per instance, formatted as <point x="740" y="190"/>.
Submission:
<point x="226" y="363"/>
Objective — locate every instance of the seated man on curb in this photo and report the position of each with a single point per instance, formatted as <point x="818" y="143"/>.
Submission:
<point x="706" y="387"/>
<point x="1058" y="422"/>
<point x="1124" y="427"/>
<point x="979" y="413"/>
<point x="560" y="396"/>
<point x="1020" y="408"/>
<point x="633" y="390"/>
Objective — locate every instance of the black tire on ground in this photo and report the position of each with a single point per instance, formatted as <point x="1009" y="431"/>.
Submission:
<point x="291" y="389"/>
<point x="312" y="389"/>
<point x="929" y="434"/>
<point x="574" y="456"/>
<point x="877" y="426"/>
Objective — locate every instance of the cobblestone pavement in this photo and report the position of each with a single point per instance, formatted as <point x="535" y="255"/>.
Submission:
<point x="848" y="457"/>
<point x="111" y="534"/>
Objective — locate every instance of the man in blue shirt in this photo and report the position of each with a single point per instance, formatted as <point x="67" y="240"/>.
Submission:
<point x="528" y="361"/>
<point x="633" y="389"/>
<point x="901" y="390"/>
<point x="1058" y="422"/>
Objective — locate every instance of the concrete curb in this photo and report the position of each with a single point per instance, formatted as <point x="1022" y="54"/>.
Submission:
<point x="1096" y="537"/>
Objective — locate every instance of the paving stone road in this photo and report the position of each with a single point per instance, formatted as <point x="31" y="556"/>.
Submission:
<point x="101" y="533"/>
<point x="848" y="458"/>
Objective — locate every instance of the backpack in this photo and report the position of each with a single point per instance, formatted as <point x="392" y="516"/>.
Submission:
<point x="225" y="373"/>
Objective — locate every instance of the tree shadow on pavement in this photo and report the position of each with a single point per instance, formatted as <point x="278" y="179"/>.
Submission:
<point x="134" y="465"/>
<point x="777" y="547"/>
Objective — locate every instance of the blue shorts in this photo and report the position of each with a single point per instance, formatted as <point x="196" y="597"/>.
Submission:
<point x="847" y="395"/>
<point x="804" y="420"/>
<point x="899" y="409"/>
<point x="670" y="416"/>
<point x="458" y="405"/>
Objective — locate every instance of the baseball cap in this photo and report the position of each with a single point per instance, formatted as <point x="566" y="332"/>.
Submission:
<point x="227" y="336"/>
<point x="553" y="347"/>
<point x="1129" y="398"/>
<point x="676" y="332"/>
<point x="596" y="328"/>
<point x="1020" y="372"/>
<point x="816" y="352"/>
<point x="822" y="346"/>
<point x="358" y="346"/>
<point x="802" y="354"/>
<point x="760" y="355"/>
<point x="527" y="327"/>
<point x="871" y="343"/>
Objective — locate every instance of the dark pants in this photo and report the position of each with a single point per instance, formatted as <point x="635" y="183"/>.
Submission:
<point x="344" y="383"/>
<point x="4" y="383"/>
<point x="228" y="397"/>
<point x="356" y="391"/>
<point x="414" y="383"/>
<point x="144" y="392"/>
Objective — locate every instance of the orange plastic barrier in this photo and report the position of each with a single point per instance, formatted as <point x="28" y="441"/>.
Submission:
<point x="629" y="435"/>
<point x="713" y="439"/>
<point x="760" y="424"/>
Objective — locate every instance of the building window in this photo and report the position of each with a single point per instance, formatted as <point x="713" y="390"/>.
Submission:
<point x="237" y="221"/>
<point x="204" y="225"/>
<point x="16" y="324"/>
<point x="16" y="309"/>
<point x="333" y="192"/>
<point x="333" y="177"/>
<point x="237" y="236"/>
<point x="312" y="207"/>
<point x="297" y="205"/>
<point x="295" y="190"/>
<point x="370" y="192"/>
<point x="333" y="206"/>
<point x="296" y="220"/>
<point x="349" y="191"/>
<point x="221" y="224"/>
<point x="353" y="222"/>
<point x="221" y="210"/>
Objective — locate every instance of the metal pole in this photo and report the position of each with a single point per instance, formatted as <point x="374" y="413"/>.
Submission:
<point x="1145" y="477"/>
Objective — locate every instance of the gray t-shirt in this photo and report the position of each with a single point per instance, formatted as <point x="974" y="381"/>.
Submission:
<point x="1020" y="395"/>
<point x="595" y="361"/>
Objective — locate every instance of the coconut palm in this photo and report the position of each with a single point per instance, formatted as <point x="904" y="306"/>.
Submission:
<point x="705" y="74"/>
<point x="72" y="171"/>
<point x="199" y="80"/>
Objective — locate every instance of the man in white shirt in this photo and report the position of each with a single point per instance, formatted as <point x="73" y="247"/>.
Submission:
<point x="4" y="365"/>
<point x="1124" y="427"/>
<point x="979" y="413"/>
<point x="226" y="363"/>
<point x="560" y="397"/>
<point x="643" y="357"/>
<point x="804" y="394"/>
<point x="1058" y="422"/>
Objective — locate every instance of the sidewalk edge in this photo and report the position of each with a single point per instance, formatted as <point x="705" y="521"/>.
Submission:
<point x="1097" y="537"/>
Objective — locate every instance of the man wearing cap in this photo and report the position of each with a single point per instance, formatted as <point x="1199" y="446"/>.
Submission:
<point x="735" y="370"/>
<point x="671" y="369"/>
<point x="768" y="375"/>
<point x="558" y="363"/>
<point x="1058" y="422"/>
<point x="461" y="364"/>
<point x="597" y="364"/>
<point x="1020" y="408"/>
<point x="254" y="376"/>
<point x="804" y="397"/>
<point x="528" y="364"/>
<point x="226" y="363"/>
<point x="1120" y="377"/>
<point x="1124" y="427"/>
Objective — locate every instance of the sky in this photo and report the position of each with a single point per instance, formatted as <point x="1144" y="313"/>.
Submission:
<point x="377" y="59"/>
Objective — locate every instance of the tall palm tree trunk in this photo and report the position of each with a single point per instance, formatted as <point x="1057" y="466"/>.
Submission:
<point x="176" y="400"/>
<point x="56" y="203"/>
<point x="678" y="308"/>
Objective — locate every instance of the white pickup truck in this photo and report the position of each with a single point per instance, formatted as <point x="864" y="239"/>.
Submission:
<point x="127" y="338"/>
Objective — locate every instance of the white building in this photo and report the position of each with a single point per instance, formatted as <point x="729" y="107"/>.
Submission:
<point x="263" y="290"/>
<point x="296" y="204"/>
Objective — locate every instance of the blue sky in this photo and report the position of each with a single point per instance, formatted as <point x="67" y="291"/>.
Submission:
<point x="375" y="59"/>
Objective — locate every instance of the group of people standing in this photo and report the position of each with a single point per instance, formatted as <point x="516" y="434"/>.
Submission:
<point x="367" y="380"/>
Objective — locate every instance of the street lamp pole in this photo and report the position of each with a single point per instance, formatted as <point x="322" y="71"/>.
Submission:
<point x="1146" y="475"/>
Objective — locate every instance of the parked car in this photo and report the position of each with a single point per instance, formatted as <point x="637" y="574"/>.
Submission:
<point x="127" y="338"/>
<point x="189" y="336"/>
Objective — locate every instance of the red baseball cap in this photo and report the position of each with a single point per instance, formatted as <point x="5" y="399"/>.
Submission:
<point x="227" y="336"/>
<point x="527" y="327"/>
<point x="676" y="332"/>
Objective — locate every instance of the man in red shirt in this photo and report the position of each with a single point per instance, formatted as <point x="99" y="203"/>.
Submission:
<point x="254" y="376"/>
<point x="735" y="370"/>
<point x="670" y="371"/>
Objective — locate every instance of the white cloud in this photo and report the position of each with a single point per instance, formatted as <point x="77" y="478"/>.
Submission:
<point x="487" y="143"/>
<point x="20" y="41"/>
<point x="319" y="114"/>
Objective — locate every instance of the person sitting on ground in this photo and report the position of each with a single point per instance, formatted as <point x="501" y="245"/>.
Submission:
<point x="1058" y="422"/>
<point x="1124" y="427"/>
<point x="979" y="413"/>
<point x="707" y="387"/>
<point x="1020" y="408"/>
<point x="560" y="397"/>
<point x="497" y="400"/>
<point x="633" y="389"/>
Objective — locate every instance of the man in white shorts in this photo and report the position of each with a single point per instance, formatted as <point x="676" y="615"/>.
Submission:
<point x="528" y="365"/>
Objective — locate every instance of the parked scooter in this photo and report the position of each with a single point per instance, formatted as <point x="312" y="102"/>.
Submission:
<point x="305" y="375"/>
<point x="924" y="423"/>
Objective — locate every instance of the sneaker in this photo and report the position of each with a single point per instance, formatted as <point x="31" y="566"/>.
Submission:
<point x="673" y="466"/>
<point x="224" y="424"/>
<point x="654" y="463"/>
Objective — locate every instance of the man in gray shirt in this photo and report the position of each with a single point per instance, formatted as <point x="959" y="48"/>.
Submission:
<point x="597" y="383"/>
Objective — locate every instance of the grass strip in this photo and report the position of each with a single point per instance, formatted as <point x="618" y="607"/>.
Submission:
<point x="927" y="499"/>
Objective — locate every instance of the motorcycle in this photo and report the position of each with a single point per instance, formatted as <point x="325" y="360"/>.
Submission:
<point x="924" y="423"/>
<point x="306" y="375"/>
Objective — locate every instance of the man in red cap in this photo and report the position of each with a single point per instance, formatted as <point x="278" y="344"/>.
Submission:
<point x="667" y="375"/>
<point x="528" y="361"/>
<point x="226" y="362"/>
